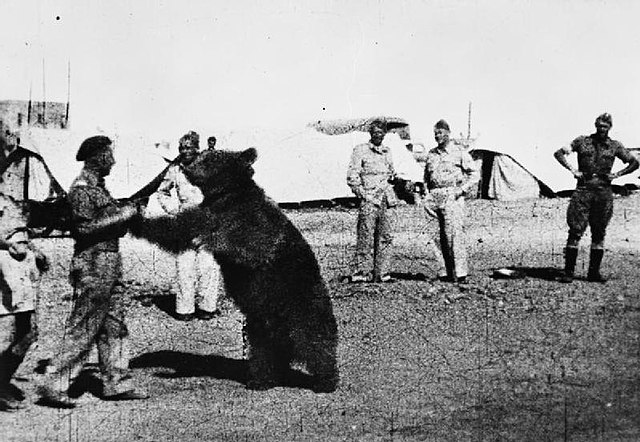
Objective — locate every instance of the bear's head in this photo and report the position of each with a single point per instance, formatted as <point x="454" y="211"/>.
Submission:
<point x="218" y="172"/>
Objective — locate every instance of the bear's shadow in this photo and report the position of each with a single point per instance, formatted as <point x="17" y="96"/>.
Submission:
<point x="163" y="300"/>
<point x="186" y="365"/>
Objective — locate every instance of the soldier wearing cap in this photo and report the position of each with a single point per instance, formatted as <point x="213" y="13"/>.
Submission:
<point x="98" y="311"/>
<point x="369" y="174"/>
<point x="449" y="174"/>
<point x="592" y="202"/>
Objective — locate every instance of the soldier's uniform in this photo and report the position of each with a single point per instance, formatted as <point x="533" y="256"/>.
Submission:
<point x="98" y="308"/>
<point x="446" y="170"/>
<point x="368" y="175"/>
<point x="592" y="202"/>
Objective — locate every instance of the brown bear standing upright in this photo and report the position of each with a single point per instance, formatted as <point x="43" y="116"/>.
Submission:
<point x="268" y="268"/>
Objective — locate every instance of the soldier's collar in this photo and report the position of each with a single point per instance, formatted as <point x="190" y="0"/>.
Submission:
<point x="92" y="177"/>
<point x="379" y="149"/>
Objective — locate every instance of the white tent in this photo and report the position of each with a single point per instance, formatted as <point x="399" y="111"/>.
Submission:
<point x="309" y="165"/>
<point x="504" y="178"/>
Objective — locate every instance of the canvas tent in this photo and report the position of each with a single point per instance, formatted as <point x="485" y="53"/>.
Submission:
<point x="503" y="178"/>
<point x="138" y="160"/>
<point x="309" y="166"/>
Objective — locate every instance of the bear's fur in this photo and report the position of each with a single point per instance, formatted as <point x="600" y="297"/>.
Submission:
<point x="269" y="270"/>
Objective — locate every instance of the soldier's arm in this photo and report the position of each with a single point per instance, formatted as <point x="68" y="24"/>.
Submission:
<point x="85" y="222"/>
<point x="627" y="157"/>
<point x="561" y="156"/>
<point x="472" y="174"/>
<point x="354" y="180"/>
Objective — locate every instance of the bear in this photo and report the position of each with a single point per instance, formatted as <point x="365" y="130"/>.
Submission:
<point x="268" y="268"/>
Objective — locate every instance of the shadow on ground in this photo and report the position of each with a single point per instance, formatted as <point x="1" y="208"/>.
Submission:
<point x="186" y="365"/>
<point x="545" y="273"/>
<point x="165" y="302"/>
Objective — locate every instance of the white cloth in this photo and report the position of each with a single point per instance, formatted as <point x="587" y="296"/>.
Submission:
<point x="198" y="273"/>
<point x="199" y="280"/>
<point x="19" y="283"/>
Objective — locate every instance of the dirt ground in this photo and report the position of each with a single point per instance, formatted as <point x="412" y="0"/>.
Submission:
<point x="516" y="360"/>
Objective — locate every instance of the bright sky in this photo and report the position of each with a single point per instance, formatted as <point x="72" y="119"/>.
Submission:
<point x="536" y="72"/>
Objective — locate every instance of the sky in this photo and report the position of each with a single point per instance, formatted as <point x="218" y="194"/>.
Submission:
<point x="535" y="73"/>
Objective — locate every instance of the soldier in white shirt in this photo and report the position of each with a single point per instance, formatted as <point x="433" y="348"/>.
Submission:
<point x="198" y="273"/>
<point x="369" y="174"/>
<point x="449" y="174"/>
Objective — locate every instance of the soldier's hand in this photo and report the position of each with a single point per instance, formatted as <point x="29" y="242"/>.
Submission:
<point x="197" y="242"/>
<point x="577" y="174"/>
<point x="612" y="176"/>
<point x="129" y="211"/>
<point x="42" y="262"/>
<point x="409" y="186"/>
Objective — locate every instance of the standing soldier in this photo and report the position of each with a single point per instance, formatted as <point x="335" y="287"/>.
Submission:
<point x="198" y="272"/>
<point x="449" y="174"/>
<point x="592" y="201"/>
<point x="369" y="174"/>
<point x="98" y="311"/>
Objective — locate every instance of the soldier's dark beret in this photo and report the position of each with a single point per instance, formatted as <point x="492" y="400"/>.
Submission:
<point x="442" y="125"/>
<point x="92" y="146"/>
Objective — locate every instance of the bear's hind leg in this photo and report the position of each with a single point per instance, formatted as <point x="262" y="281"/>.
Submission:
<point x="321" y="364"/>
<point x="264" y="371"/>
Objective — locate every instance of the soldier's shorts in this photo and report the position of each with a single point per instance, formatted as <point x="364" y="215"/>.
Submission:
<point x="593" y="207"/>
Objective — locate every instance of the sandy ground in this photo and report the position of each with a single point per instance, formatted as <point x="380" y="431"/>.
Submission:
<point x="527" y="359"/>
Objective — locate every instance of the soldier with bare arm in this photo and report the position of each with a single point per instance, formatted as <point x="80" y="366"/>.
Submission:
<point x="592" y="202"/>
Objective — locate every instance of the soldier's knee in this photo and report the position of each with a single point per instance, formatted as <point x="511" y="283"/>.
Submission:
<point x="574" y="238"/>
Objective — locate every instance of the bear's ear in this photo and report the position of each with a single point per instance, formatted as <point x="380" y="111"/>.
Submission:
<point x="249" y="155"/>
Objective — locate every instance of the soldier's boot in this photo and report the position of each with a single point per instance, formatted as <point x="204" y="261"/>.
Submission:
<point x="595" y="260"/>
<point x="570" y="258"/>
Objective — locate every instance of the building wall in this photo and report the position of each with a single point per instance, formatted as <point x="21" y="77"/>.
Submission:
<point x="51" y="115"/>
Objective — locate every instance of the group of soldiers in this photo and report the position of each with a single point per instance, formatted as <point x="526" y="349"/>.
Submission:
<point x="450" y="174"/>
<point x="98" y="220"/>
<point x="98" y="314"/>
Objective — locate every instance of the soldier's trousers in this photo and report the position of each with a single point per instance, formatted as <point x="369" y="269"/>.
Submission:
<point x="374" y="238"/>
<point x="592" y="207"/>
<point x="199" y="279"/>
<point x="450" y="237"/>
<point x="97" y="317"/>
<point x="17" y="333"/>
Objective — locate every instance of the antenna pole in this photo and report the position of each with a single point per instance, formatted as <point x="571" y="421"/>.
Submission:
<point x="469" y="123"/>
<point x="66" y="115"/>
<point x="44" y="97"/>
<point x="29" y="105"/>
